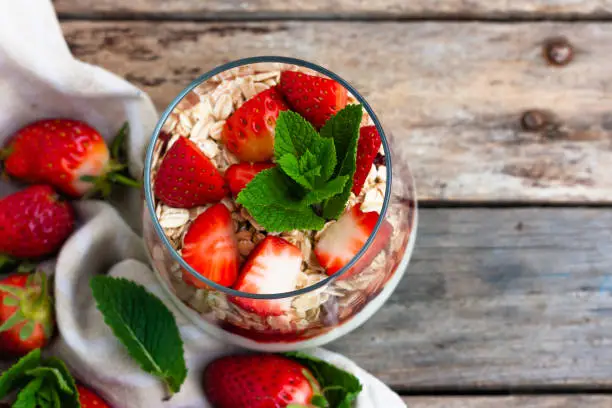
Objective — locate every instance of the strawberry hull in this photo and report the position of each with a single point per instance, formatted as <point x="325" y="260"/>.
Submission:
<point x="312" y="300"/>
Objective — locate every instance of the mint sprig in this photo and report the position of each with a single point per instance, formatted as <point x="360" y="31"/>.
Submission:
<point x="340" y="388"/>
<point x="40" y="383"/>
<point x="313" y="177"/>
<point x="145" y="326"/>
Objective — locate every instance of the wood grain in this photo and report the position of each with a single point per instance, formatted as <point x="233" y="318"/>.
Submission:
<point x="451" y="93"/>
<point x="582" y="401"/>
<point x="497" y="298"/>
<point x="356" y="8"/>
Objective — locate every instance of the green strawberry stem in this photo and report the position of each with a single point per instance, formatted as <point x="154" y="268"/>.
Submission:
<point x="116" y="169"/>
<point x="34" y="303"/>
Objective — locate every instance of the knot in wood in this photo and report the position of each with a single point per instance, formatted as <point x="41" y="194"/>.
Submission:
<point x="558" y="51"/>
<point x="534" y="120"/>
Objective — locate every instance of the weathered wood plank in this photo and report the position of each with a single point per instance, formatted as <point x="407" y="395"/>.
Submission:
<point x="452" y="93"/>
<point x="326" y="8"/>
<point x="580" y="401"/>
<point x="497" y="298"/>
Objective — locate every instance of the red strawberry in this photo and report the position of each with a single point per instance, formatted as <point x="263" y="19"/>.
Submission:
<point x="26" y="314"/>
<point x="241" y="174"/>
<point x="249" y="132"/>
<point x="90" y="399"/>
<point x="187" y="178"/>
<point x="210" y="247"/>
<point x="367" y="149"/>
<point x="34" y="222"/>
<point x="315" y="98"/>
<point x="341" y="241"/>
<point x="272" y="267"/>
<point x="258" y="381"/>
<point x="68" y="154"/>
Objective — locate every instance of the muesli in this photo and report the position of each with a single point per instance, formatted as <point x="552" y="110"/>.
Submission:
<point x="225" y="150"/>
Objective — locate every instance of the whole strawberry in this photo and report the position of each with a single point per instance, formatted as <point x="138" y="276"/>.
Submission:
<point x="34" y="222"/>
<point x="68" y="154"/>
<point x="187" y="178"/>
<point x="367" y="148"/>
<point x="259" y="381"/>
<point x="249" y="132"/>
<point x="90" y="399"/>
<point x="315" y="98"/>
<point x="26" y="314"/>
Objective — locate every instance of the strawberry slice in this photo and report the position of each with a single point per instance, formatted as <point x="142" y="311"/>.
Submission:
<point x="272" y="267"/>
<point x="187" y="178"/>
<point x="249" y="132"/>
<point x="241" y="174"/>
<point x="341" y="241"/>
<point x="313" y="97"/>
<point x="210" y="247"/>
<point x="367" y="149"/>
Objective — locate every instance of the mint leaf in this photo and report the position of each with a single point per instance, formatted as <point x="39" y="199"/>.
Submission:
<point x="330" y="189"/>
<point x="344" y="128"/>
<point x="338" y="386"/>
<point x="325" y="150"/>
<point x="52" y="374"/>
<point x="144" y="325"/>
<point x="309" y="167"/>
<point x="291" y="167"/>
<point x="293" y="134"/>
<point x="45" y="383"/>
<point x="15" y="377"/>
<point x="27" y="397"/>
<point x="70" y="396"/>
<point x="268" y="198"/>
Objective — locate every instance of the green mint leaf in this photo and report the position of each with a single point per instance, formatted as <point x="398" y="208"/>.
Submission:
<point x="310" y="167"/>
<point x="144" y="325"/>
<point x="15" y="377"/>
<point x="69" y="397"/>
<point x="293" y="134"/>
<point x="268" y="198"/>
<point x="325" y="151"/>
<point x="339" y="387"/>
<point x="344" y="129"/>
<point x="330" y="189"/>
<point x="290" y="166"/>
<point x="28" y="396"/>
<point x="52" y="374"/>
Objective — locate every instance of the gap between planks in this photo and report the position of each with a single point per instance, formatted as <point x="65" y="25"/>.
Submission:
<point x="215" y="10"/>
<point x="578" y="401"/>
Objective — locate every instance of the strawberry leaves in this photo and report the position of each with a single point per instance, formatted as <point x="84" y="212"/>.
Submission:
<point x="338" y="387"/>
<point x="145" y="326"/>
<point x="41" y="383"/>
<point x="313" y="178"/>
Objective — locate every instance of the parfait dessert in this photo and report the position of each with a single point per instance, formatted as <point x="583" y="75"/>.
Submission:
<point x="270" y="215"/>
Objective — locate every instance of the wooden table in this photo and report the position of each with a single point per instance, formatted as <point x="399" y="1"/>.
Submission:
<point x="508" y="299"/>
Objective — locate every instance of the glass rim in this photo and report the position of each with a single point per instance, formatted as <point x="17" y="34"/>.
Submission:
<point x="206" y="76"/>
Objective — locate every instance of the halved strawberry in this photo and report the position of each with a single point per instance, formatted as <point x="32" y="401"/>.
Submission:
<point x="241" y="174"/>
<point x="187" y="178"/>
<point x="249" y="132"/>
<point x="210" y="247"/>
<point x="313" y="97"/>
<point x="367" y="149"/>
<point x="341" y="241"/>
<point x="272" y="267"/>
